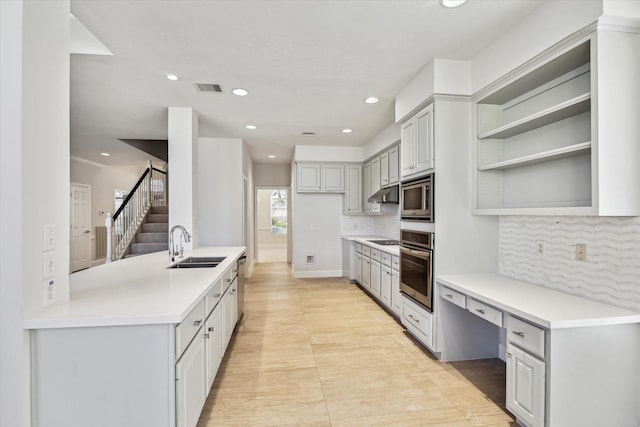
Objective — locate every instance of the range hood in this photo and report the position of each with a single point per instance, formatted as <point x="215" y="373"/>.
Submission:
<point x="386" y="195"/>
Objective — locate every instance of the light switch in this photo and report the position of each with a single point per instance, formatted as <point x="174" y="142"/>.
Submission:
<point x="49" y="237"/>
<point x="49" y="264"/>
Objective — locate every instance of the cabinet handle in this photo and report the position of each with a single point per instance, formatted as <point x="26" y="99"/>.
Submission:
<point x="518" y="333"/>
<point x="449" y="296"/>
<point x="206" y="336"/>
<point x="210" y="329"/>
<point x="508" y="355"/>
<point x="197" y="322"/>
<point x="480" y="310"/>
<point x="217" y="295"/>
<point x="413" y="318"/>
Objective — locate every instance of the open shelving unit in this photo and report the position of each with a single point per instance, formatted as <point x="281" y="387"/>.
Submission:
<point x="533" y="137"/>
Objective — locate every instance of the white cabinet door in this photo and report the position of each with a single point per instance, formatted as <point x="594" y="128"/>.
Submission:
<point x="417" y="143"/>
<point x="384" y="169"/>
<point x="525" y="386"/>
<point x="396" y="301"/>
<point x="213" y="341"/>
<point x="424" y="140"/>
<point x="353" y="190"/>
<point x="408" y="147"/>
<point x="366" y="187"/>
<point x="308" y="177"/>
<point x="385" y="286"/>
<point x="332" y="178"/>
<point x="366" y="272"/>
<point x="375" y="278"/>
<point x="394" y="166"/>
<point x="358" y="272"/>
<point x="230" y="308"/>
<point x="191" y="383"/>
<point x="375" y="182"/>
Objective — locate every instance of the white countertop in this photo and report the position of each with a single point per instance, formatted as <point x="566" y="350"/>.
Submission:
<point x="546" y="307"/>
<point x="393" y="250"/>
<point x="134" y="291"/>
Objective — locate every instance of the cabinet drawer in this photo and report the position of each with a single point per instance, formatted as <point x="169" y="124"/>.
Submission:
<point x="366" y="250"/>
<point x="186" y="330"/>
<point x="213" y="296"/>
<point x="375" y="254"/>
<point x="417" y="318"/>
<point x="525" y="335"/>
<point x="359" y="248"/>
<point x="488" y="313"/>
<point x="385" y="259"/>
<point x="452" y="296"/>
<point x="395" y="263"/>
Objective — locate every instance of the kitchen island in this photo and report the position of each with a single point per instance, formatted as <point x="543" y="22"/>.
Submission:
<point x="138" y="344"/>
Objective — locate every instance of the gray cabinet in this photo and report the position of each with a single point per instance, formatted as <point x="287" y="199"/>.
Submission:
<point x="320" y="178"/>
<point x="417" y="143"/>
<point x="353" y="190"/>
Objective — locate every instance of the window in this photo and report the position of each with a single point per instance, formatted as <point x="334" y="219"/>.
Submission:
<point x="279" y="212"/>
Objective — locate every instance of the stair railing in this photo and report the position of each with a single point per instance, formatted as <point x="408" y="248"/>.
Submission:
<point x="150" y="190"/>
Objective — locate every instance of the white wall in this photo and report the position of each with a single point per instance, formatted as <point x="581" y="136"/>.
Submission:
<point x="388" y="136"/>
<point x="627" y="8"/>
<point x="183" y="185"/>
<point x="276" y="176"/>
<point x="249" y="208"/>
<point x="13" y="354"/>
<point x="34" y="179"/>
<point x="324" y="153"/>
<point x="104" y="180"/>
<point x="220" y="191"/>
<point x="544" y="27"/>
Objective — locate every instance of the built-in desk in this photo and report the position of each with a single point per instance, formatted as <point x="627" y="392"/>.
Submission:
<point x="570" y="361"/>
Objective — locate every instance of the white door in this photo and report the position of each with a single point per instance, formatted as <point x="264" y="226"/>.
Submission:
<point x="525" y="386"/>
<point x="80" y="227"/>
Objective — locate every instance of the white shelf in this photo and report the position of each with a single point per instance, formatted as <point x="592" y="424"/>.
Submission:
<point x="569" y="108"/>
<point x="545" y="156"/>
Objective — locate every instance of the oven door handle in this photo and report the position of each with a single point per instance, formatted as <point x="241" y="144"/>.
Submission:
<point x="419" y="254"/>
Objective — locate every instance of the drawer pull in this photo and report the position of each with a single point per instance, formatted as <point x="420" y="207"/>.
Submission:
<point x="197" y="322"/>
<point x="210" y="329"/>
<point x="449" y="296"/>
<point x="518" y="333"/>
<point x="479" y="310"/>
<point x="413" y="318"/>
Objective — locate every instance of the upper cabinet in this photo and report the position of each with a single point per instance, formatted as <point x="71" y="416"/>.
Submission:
<point x="417" y="143"/>
<point x="389" y="167"/>
<point x="352" y="204"/>
<point x="320" y="178"/>
<point x="559" y="135"/>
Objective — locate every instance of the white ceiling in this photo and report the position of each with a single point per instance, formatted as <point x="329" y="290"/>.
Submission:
<point x="308" y="65"/>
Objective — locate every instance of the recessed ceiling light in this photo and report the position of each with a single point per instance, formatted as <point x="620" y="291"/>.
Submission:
<point x="271" y="156"/>
<point x="240" y="92"/>
<point x="452" y="3"/>
<point x="251" y="127"/>
<point x="105" y="154"/>
<point x="346" y="131"/>
<point x="371" y="100"/>
<point x="172" y="77"/>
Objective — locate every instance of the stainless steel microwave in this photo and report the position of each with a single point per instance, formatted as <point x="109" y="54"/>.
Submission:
<point x="417" y="199"/>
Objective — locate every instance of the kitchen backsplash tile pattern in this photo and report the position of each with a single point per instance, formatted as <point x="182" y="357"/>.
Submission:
<point x="387" y="226"/>
<point x="351" y="225"/>
<point x="542" y="250"/>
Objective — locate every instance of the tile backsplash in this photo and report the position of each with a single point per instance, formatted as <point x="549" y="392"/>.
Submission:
<point x="387" y="226"/>
<point x="542" y="250"/>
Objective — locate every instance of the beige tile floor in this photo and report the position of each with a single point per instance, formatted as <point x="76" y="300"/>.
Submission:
<point x="319" y="352"/>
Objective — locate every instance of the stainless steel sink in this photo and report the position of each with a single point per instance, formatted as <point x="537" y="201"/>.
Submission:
<point x="199" y="262"/>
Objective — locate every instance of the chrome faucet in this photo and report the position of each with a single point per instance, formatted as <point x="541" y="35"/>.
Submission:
<point x="185" y="235"/>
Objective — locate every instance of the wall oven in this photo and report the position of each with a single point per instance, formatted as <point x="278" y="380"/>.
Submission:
<point x="416" y="266"/>
<point x="417" y="199"/>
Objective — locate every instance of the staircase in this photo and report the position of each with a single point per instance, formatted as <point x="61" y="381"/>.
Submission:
<point x="153" y="235"/>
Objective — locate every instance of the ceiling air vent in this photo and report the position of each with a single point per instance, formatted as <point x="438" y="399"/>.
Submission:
<point x="207" y="87"/>
<point x="308" y="134"/>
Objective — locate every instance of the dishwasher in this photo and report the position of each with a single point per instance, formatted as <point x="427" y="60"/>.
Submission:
<point x="242" y="261"/>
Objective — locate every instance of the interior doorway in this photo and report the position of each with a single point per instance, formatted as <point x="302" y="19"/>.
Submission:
<point x="272" y="217"/>
<point x="80" y="227"/>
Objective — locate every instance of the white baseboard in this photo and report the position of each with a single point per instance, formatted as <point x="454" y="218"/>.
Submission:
<point x="98" y="262"/>
<point x="317" y="273"/>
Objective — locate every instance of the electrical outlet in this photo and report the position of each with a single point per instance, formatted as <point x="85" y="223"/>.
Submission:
<point x="540" y="247"/>
<point x="49" y="264"/>
<point x="581" y="252"/>
<point x="49" y="291"/>
<point x="311" y="259"/>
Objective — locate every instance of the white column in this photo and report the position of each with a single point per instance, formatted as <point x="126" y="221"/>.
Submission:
<point x="183" y="172"/>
